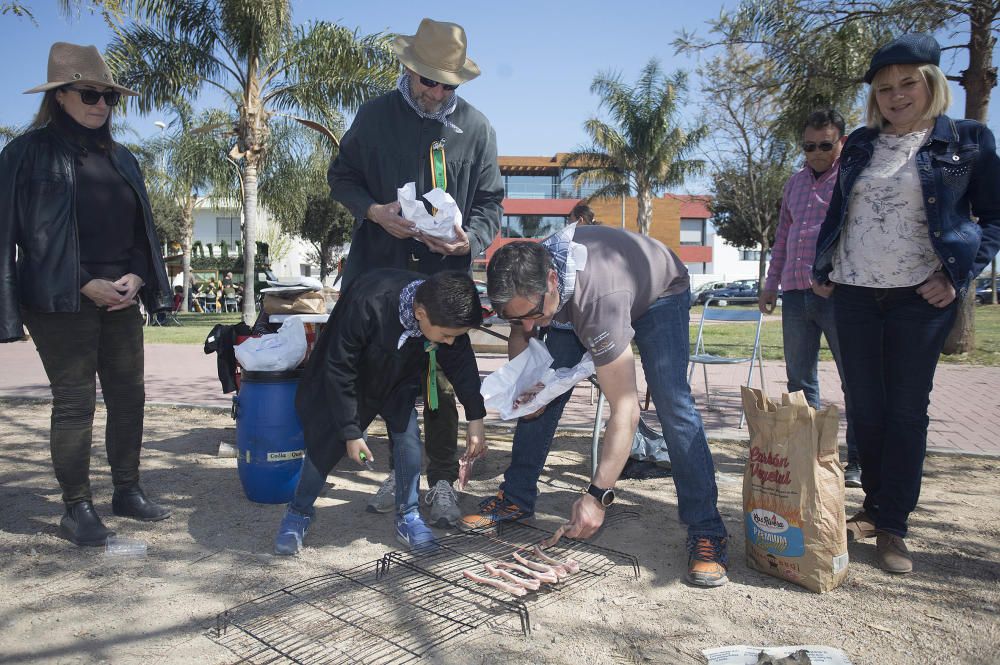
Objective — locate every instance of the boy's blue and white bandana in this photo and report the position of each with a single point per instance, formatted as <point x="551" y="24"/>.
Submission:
<point x="411" y="327"/>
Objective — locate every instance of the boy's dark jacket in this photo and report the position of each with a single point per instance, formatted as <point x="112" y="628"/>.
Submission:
<point x="356" y="372"/>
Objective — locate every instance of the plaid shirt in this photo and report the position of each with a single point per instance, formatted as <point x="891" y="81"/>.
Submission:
<point x="803" y="209"/>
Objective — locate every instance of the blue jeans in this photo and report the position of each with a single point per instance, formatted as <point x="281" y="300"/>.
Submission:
<point x="406" y="457"/>
<point x="804" y="316"/>
<point x="890" y="341"/>
<point x="663" y="337"/>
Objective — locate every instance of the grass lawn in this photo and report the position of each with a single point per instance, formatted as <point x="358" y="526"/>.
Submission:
<point x="724" y="338"/>
<point x="737" y="339"/>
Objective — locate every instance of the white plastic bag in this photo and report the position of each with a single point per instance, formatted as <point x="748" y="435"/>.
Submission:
<point x="531" y="369"/>
<point x="281" y="351"/>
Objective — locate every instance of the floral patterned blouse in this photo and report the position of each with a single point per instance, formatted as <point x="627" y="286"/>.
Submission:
<point x="885" y="242"/>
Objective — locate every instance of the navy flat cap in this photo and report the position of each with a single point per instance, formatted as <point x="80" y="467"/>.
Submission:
<point x="912" y="49"/>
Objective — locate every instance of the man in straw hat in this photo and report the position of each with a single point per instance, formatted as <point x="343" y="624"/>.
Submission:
<point x="422" y="132"/>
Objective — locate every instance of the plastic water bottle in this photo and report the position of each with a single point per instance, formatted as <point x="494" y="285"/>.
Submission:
<point x="125" y="548"/>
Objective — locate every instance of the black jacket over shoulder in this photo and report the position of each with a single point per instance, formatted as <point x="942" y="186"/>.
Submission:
<point x="356" y="372"/>
<point x="37" y="215"/>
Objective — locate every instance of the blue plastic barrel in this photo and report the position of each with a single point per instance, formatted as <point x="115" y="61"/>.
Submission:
<point x="269" y="435"/>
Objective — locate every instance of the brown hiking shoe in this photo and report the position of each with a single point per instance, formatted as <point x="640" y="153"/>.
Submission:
<point x="707" y="561"/>
<point x="491" y="511"/>
<point x="892" y="555"/>
<point x="860" y="527"/>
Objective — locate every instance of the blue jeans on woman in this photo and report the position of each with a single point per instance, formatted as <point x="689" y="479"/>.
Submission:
<point x="406" y="457"/>
<point x="804" y="317"/>
<point x="663" y="337"/>
<point x="890" y="341"/>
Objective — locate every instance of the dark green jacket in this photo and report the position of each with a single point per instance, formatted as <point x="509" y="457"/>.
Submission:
<point x="387" y="146"/>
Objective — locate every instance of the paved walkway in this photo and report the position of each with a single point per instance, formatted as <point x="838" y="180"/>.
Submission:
<point x="964" y="411"/>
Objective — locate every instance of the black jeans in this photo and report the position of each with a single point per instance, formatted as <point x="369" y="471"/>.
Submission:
<point x="890" y="341"/>
<point x="75" y="347"/>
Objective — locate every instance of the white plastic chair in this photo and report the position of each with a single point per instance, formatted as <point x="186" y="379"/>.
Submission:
<point x="703" y="358"/>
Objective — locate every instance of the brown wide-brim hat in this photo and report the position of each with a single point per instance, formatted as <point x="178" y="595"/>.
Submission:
<point x="71" y="63"/>
<point x="437" y="51"/>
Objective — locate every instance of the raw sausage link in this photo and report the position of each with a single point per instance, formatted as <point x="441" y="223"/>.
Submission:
<point x="495" y="583"/>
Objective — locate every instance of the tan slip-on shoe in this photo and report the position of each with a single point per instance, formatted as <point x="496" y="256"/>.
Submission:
<point x="860" y="527"/>
<point x="892" y="554"/>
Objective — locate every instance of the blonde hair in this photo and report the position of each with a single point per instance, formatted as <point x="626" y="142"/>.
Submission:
<point x="937" y="85"/>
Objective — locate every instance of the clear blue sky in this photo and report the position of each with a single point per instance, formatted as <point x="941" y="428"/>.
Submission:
<point x="538" y="57"/>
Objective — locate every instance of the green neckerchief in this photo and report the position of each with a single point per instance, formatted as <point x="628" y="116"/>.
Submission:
<point x="439" y="171"/>
<point x="432" y="383"/>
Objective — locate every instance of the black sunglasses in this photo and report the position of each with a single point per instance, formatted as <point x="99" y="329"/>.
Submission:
<point x="431" y="83"/>
<point x="90" y="97"/>
<point x="537" y="312"/>
<point x="825" y="146"/>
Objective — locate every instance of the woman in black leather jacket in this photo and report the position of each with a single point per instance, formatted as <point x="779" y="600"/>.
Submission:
<point x="74" y="209"/>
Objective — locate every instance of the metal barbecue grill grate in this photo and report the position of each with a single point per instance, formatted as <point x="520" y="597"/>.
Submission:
<point x="398" y="609"/>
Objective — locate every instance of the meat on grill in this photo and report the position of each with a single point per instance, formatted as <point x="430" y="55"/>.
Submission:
<point x="547" y="575"/>
<point x="540" y="569"/>
<point x="512" y="589"/>
<point x="569" y="566"/>
<point x="524" y="583"/>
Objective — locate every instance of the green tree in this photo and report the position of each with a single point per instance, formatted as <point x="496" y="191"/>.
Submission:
<point x="183" y="167"/>
<point x="263" y="64"/>
<point x="751" y="159"/>
<point x="643" y="150"/>
<point x="326" y="224"/>
<point x="820" y="51"/>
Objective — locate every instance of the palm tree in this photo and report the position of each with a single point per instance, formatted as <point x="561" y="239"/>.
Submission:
<point x="184" y="166"/>
<point x="644" y="150"/>
<point x="262" y="63"/>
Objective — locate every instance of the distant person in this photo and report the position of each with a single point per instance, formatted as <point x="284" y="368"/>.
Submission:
<point x="915" y="214"/>
<point x="804" y="315"/>
<point x="227" y="280"/>
<point x="75" y="206"/>
<point x="384" y="336"/>
<point x="582" y="214"/>
<point x="422" y="132"/>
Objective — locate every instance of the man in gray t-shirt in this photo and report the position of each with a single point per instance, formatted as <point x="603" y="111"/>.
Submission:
<point x="599" y="289"/>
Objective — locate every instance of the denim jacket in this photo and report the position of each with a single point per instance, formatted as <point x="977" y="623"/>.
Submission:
<point x="960" y="180"/>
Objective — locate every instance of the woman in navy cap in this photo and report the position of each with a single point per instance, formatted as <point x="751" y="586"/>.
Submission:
<point x="914" y="218"/>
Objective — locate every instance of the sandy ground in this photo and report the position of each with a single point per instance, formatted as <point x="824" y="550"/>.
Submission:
<point x="61" y="604"/>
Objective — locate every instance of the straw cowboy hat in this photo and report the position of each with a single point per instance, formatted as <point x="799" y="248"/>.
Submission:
<point x="70" y="63"/>
<point x="437" y="52"/>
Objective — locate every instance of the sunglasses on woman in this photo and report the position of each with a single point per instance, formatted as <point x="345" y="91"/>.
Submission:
<point x="431" y="83"/>
<point x="91" y="97"/>
<point x="825" y="146"/>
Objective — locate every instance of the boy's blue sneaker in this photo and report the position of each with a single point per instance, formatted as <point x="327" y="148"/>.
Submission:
<point x="291" y="532"/>
<point x="413" y="532"/>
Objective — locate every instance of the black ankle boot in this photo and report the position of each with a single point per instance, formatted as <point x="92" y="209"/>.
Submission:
<point x="131" y="502"/>
<point x="82" y="526"/>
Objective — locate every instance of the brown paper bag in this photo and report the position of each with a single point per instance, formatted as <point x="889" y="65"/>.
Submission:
<point x="310" y="302"/>
<point x="793" y="492"/>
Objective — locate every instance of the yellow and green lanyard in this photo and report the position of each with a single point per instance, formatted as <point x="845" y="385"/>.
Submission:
<point x="439" y="178"/>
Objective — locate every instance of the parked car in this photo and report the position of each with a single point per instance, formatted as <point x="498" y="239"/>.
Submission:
<point x="983" y="291"/>
<point x="744" y="290"/>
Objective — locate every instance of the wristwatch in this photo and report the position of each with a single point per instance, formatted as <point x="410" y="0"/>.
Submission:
<point x="606" y="497"/>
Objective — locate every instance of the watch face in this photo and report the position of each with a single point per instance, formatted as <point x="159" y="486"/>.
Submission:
<point x="608" y="498"/>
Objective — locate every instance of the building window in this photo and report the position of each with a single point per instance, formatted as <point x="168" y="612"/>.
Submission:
<point x="531" y="226"/>
<point x="568" y="190"/>
<point x="751" y="255"/>
<point x="530" y="187"/>
<point x="305" y="270"/>
<point x="227" y="230"/>
<point x="694" y="231"/>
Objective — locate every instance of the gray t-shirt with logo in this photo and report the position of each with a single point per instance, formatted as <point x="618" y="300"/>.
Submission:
<point x="624" y="275"/>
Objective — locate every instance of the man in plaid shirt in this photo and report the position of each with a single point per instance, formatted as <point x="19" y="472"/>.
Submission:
<point x="804" y="314"/>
